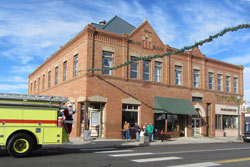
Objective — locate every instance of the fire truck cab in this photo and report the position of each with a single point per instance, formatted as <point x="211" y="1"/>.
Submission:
<point x="29" y="121"/>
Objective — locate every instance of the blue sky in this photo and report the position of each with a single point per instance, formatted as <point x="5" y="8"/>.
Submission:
<point x="32" y="30"/>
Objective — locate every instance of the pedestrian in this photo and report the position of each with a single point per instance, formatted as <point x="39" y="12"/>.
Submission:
<point x="144" y="129"/>
<point x="137" y="130"/>
<point x="162" y="135"/>
<point x="126" y="128"/>
<point x="150" y="130"/>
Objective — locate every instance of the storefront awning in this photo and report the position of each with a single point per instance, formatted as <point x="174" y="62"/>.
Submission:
<point x="173" y="106"/>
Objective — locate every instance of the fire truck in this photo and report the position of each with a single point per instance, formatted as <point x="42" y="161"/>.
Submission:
<point x="29" y="121"/>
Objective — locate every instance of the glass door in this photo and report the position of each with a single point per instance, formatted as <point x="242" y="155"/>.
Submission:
<point x="196" y="126"/>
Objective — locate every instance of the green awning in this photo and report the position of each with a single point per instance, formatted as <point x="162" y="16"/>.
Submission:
<point x="173" y="106"/>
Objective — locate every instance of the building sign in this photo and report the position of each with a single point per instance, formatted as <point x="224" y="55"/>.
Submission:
<point x="221" y="109"/>
<point x="228" y="109"/>
<point x="226" y="98"/>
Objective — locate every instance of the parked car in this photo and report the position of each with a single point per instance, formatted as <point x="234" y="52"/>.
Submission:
<point x="246" y="136"/>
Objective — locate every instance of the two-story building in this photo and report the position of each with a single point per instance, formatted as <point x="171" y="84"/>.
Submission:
<point x="186" y="94"/>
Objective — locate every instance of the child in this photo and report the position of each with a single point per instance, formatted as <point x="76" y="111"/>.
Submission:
<point x="162" y="135"/>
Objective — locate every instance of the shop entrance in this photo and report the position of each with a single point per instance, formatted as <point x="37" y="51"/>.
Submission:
<point x="196" y="127"/>
<point x="96" y="119"/>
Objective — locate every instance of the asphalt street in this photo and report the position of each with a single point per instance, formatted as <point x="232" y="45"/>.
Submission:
<point x="108" y="154"/>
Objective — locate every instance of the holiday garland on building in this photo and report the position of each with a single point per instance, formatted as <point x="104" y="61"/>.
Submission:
<point x="177" y="51"/>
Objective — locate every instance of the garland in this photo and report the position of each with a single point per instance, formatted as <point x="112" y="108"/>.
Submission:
<point x="177" y="51"/>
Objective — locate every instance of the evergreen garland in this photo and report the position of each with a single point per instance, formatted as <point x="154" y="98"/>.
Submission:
<point x="178" y="51"/>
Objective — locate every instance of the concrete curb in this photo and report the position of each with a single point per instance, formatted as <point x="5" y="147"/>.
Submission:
<point x="173" y="141"/>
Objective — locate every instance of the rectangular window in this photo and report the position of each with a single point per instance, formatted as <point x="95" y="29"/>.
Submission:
<point x="35" y="86"/>
<point x="49" y="79"/>
<point x="228" y="83"/>
<point x="65" y="71"/>
<point x="146" y="70"/>
<point x="172" y="123"/>
<point x="178" y="75"/>
<point x="43" y="81"/>
<point x="158" y="71"/>
<point x="39" y="84"/>
<point x="107" y="62"/>
<point x="218" y="121"/>
<point x="210" y="80"/>
<point x="75" y="71"/>
<point x="130" y="114"/>
<point x="134" y="69"/>
<point x="197" y="99"/>
<point x="230" y="121"/>
<point x="56" y="75"/>
<point x="196" y="78"/>
<point x="219" y="82"/>
<point x="235" y="85"/>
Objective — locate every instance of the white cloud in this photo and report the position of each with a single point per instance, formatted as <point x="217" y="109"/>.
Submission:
<point x="238" y="59"/>
<point x="13" y="79"/>
<point x="204" y="18"/>
<point x="23" y="69"/>
<point x="5" y="87"/>
<point x="32" y="28"/>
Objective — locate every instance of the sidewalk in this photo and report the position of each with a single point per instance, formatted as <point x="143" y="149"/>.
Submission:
<point x="171" y="141"/>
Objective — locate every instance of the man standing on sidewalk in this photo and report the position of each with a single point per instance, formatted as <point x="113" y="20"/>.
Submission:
<point x="137" y="131"/>
<point x="150" y="129"/>
<point x="126" y="128"/>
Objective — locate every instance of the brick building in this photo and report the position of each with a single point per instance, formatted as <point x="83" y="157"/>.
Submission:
<point x="186" y="94"/>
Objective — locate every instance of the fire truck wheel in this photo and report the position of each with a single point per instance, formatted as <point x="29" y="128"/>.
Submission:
<point x="20" y="145"/>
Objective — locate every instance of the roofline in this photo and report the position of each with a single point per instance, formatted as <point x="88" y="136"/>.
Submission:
<point x="137" y="28"/>
<point x="225" y="63"/>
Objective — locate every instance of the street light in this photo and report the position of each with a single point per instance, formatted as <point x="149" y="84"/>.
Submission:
<point x="239" y="138"/>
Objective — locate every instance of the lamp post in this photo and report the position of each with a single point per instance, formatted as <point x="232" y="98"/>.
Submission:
<point x="238" y="98"/>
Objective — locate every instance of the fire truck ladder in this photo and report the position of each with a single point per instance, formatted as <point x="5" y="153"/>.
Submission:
<point x="25" y="97"/>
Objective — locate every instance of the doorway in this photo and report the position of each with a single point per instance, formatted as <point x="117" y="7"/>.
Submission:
<point x="196" y="127"/>
<point x="96" y="119"/>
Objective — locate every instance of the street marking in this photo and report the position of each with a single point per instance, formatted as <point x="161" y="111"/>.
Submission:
<point x="127" y="155"/>
<point x="232" y="160"/>
<point x="213" y="150"/>
<point x="97" y="149"/>
<point x="203" y="164"/>
<point x="156" y="159"/>
<point x="115" y="151"/>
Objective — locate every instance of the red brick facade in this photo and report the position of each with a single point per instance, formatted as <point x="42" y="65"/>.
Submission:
<point x="113" y="90"/>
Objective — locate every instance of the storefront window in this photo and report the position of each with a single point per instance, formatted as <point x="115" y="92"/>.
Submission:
<point x="218" y="122"/>
<point x="129" y="114"/>
<point x="229" y="121"/>
<point x="172" y="123"/>
<point x="160" y="121"/>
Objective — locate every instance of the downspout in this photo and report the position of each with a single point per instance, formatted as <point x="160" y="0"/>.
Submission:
<point x="93" y="52"/>
<point x="127" y="60"/>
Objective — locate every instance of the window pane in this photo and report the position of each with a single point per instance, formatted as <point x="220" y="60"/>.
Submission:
<point x="172" y="123"/>
<point x="146" y="70"/>
<point x="210" y="81"/>
<point x="235" y="85"/>
<point x="158" y="71"/>
<point x="178" y="73"/>
<point x="75" y="65"/>
<point x="133" y="74"/>
<point x="107" y="62"/>
<point x="65" y="71"/>
<point x="219" y="80"/>
<point x="196" y="79"/>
